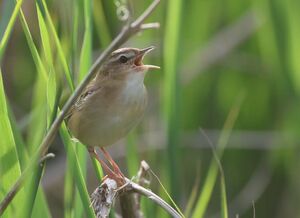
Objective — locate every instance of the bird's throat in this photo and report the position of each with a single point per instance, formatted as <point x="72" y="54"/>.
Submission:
<point x="134" y="88"/>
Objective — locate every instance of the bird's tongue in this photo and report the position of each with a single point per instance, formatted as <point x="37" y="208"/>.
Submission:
<point x="138" y="62"/>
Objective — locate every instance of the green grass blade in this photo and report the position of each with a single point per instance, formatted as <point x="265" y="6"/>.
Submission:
<point x="61" y="54"/>
<point x="211" y="177"/>
<point x="9" y="164"/>
<point x="85" y="56"/>
<point x="36" y="129"/>
<point x="81" y="158"/>
<point x="205" y="194"/>
<point x="86" y="49"/>
<point x="51" y="101"/>
<point x="76" y="169"/>
<point x="132" y="154"/>
<point x="75" y="35"/>
<point x="34" y="52"/>
<point x="193" y="196"/>
<point x="69" y="186"/>
<point x="171" y="90"/>
<point x="292" y="12"/>
<point x="81" y="154"/>
<point x="84" y="65"/>
<point x="167" y="193"/>
<point x="20" y="144"/>
<point x="51" y="88"/>
<point x="45" y="38"/>
<point x="52" y="80"/>
<point x="98" y="169"/>
<point x="6" y="11"/>
<point x="31" y="186"/>
<point x="7" y="32"/>
<point x="101" y="24"/>
<point x="52" y="98"/>
<point x="224" y="206"/>
<point x="40" y="207"/>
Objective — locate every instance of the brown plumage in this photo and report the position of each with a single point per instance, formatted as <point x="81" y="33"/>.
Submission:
<point x="106" y="112"/>
<point x="113" y="103"/>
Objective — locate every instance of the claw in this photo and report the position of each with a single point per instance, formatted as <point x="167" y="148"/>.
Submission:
<point x="114" y="174"/>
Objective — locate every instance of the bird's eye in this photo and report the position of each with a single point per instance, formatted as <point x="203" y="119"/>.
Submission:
<point x="123" y="59"/>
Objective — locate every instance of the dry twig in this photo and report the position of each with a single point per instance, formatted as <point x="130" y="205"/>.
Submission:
<point x="104" y="196"/>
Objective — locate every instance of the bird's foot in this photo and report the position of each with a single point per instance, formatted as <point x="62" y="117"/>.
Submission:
<point x="120" y="179"/>
<point x="118" y="175"/>
<point x="114" y="174"/>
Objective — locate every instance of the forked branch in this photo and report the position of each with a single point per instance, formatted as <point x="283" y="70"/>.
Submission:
<point x="104" y="196"/>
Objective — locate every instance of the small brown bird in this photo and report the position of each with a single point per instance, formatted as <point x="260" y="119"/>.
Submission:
<point x="112" y="104"/>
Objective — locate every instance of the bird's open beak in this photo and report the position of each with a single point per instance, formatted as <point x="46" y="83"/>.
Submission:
<point x="139" y="58"/>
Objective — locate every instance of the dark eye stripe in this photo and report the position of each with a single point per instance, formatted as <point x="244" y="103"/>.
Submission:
<point x="128" y="54"/>
<point x="123" y="59"/>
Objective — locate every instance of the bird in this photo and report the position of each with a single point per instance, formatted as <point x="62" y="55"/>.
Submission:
<point x="111" y="105"/>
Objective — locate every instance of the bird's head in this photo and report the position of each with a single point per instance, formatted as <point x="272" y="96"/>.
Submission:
<point x="127" y="61"/>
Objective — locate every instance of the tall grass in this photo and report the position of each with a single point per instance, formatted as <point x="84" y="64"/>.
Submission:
<point x="7" y="32"/>
<point x="205" y="195"/>
<point x="46" y="94"/>
<point x="10" y="169"/>
<point x="170" y="101"/>
<point x="266" y="67"/>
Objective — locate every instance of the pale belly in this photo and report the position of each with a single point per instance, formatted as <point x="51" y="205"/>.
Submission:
<point x="113" y="122"/>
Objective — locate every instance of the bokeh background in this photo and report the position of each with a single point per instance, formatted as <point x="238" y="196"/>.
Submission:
<point x="229" y="83"/>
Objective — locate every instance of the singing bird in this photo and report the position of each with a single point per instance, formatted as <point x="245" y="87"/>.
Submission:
<point x="111" y="105"/>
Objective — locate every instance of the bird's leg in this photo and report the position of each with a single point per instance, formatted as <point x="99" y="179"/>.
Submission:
<point x="112" y="162"/>
<point x="106" y="169"/>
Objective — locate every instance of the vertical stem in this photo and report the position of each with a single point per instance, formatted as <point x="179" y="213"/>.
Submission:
<point x="171" y="91"/>
<point x="127" y="205"/>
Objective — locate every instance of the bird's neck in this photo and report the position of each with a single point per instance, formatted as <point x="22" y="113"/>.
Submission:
<point x="133" y="87"/>
<point x="134" y="82"/>
<point x="129" y="87"/>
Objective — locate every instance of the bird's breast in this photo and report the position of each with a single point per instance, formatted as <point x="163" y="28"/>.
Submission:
<point x="112" y="116"/>
<point x="125" y="114"/>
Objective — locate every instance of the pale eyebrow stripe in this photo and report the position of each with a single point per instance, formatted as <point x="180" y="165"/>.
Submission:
<point x="129" y="55"/>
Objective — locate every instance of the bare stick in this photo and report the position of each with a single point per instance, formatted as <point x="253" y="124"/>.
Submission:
<point x="143" y="179"/>
<point x="130" y="203"/>
<point x="14" y="190"/>
<point x="128" y="31"/>
<point x="104" y="196"/>
<point x="46" y="157"/>
<point x="152" y="196"/>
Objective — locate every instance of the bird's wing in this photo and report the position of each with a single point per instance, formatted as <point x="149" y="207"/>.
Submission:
<point x="89" y="90"/>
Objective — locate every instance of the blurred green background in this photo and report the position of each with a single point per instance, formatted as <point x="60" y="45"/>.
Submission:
<point x="230" y="72"/>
